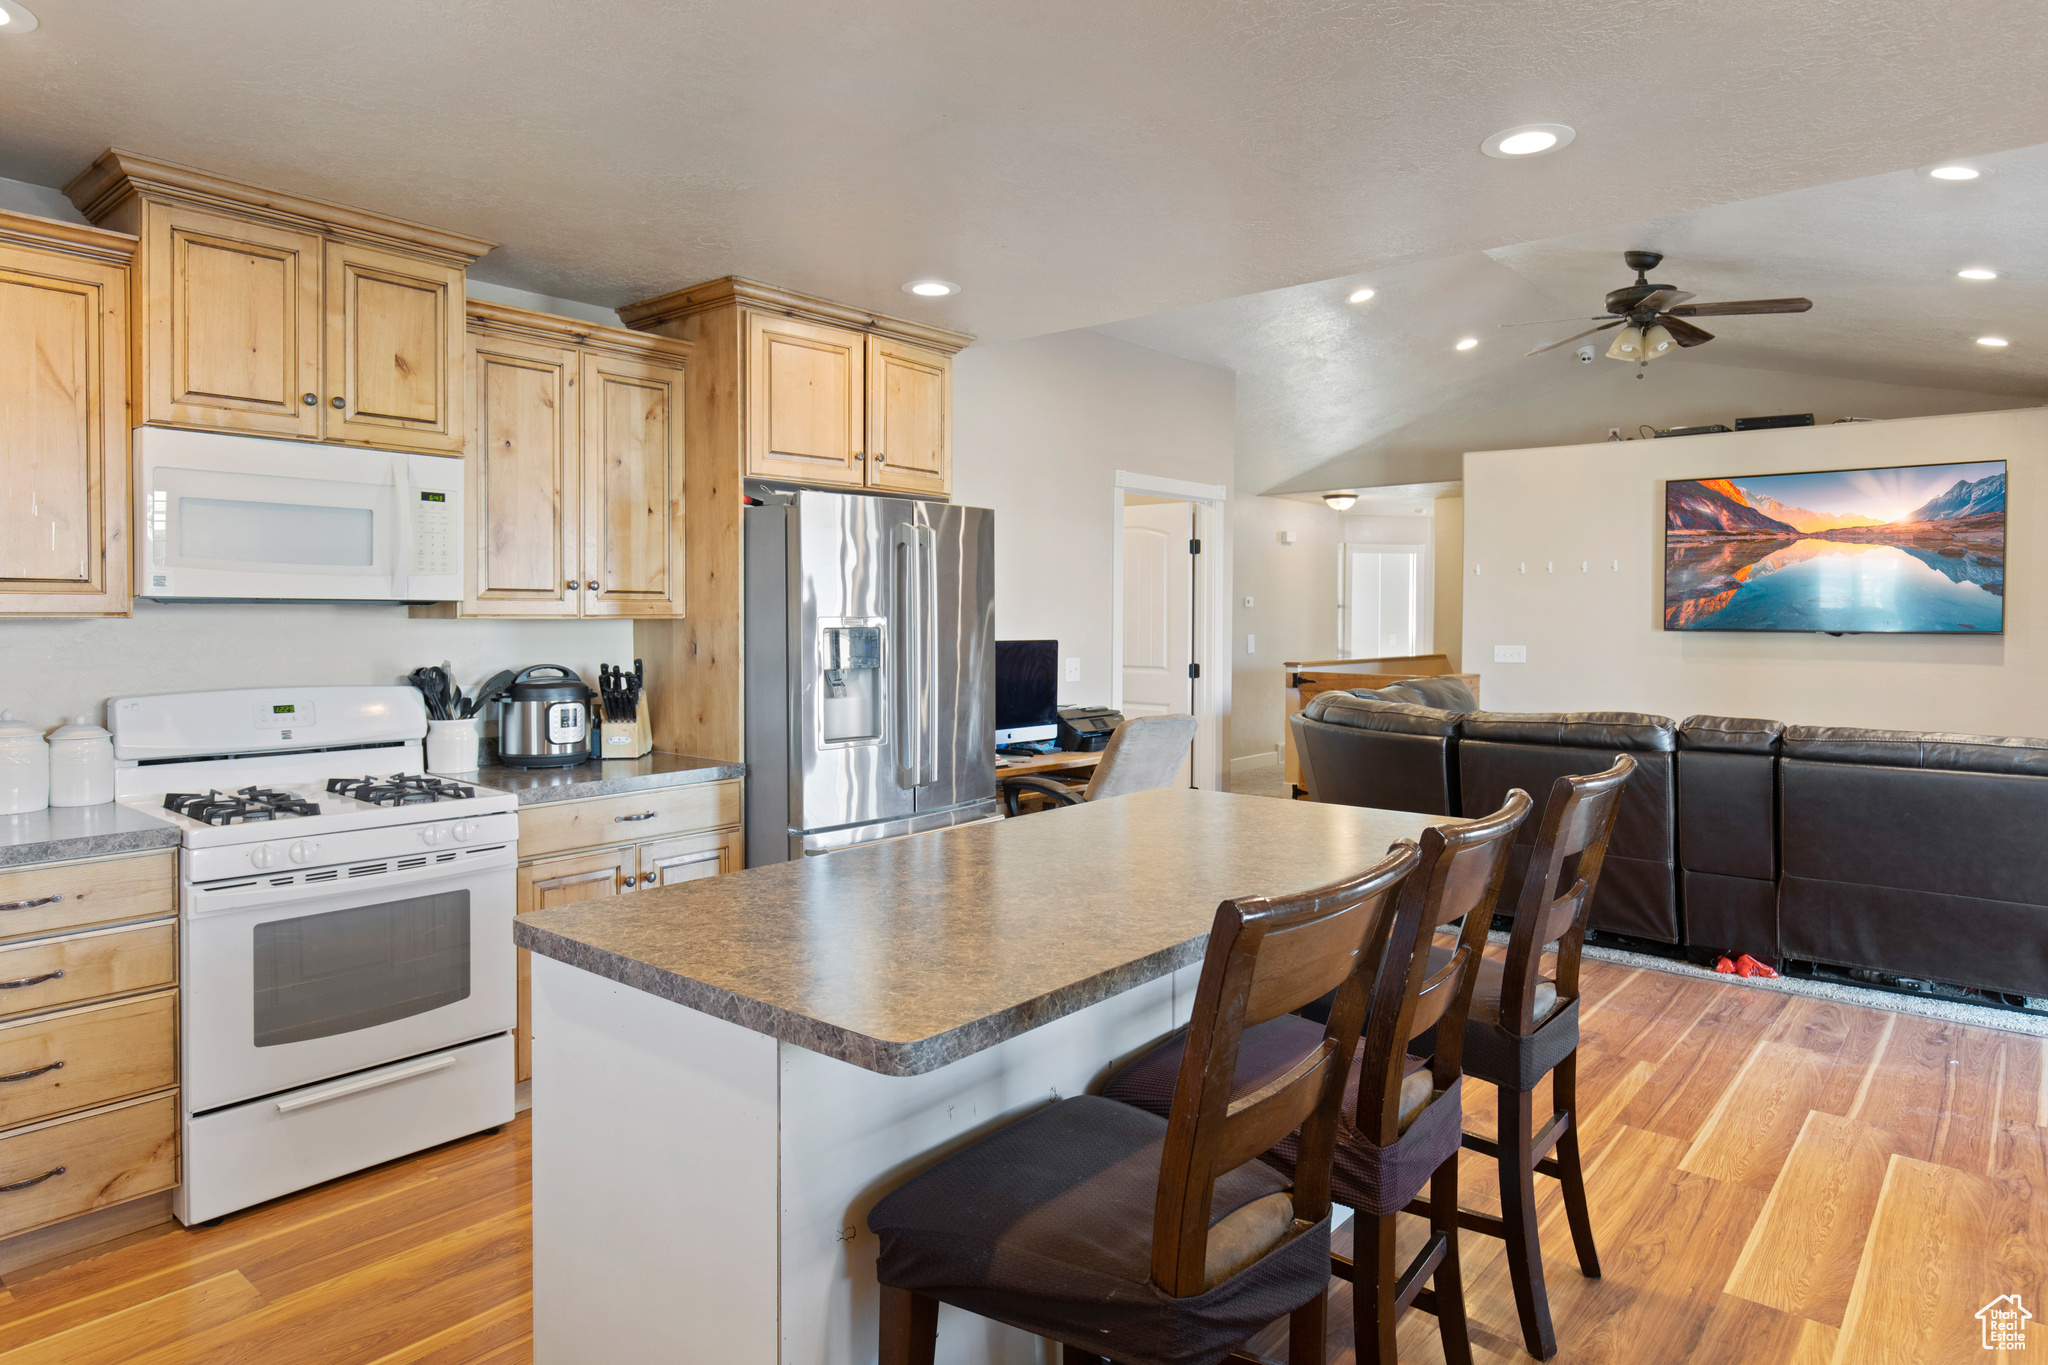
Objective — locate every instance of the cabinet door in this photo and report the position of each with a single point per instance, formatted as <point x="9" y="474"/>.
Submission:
<point x="63" y="435"/>
<point x="232" y="319"/>
<point x="805" y="399"/>
<point x="394" y="350"/>
<point x="552" y="882"/>
<point x="632" y="488"/>
<point x="691" y="858"/>
<point x="910" y="418"/>
<point x="524" y="475"/>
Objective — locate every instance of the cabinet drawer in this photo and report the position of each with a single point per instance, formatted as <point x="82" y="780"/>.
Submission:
<point x="52" y="897"/>
<point x="57" y="1063"/>
<point x="66" y="1167"/>
<point x="48" y="972"/>
<point x="634" y="818"/>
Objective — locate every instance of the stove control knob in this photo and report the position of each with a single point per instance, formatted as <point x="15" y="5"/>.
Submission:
<point x="263" y="855"/>
<point x="302" y="852"/>
<point x="463" y="831"/>
<point x="431" y="833"/>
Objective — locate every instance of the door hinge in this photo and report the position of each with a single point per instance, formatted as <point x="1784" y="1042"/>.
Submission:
<point x="1194" y="547"/>
<point x="1194" y="670"/>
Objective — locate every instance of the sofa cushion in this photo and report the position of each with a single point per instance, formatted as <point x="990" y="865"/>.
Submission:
<point x="1446" y="694"/>
<point x="1389" y="757"/>
<point x="1918" y="749"/>
<point x="1727" y="815"/>
<point x="1364" y="711"/>
<point x="1730" y="734"/>
<point x="1618" y="730"/>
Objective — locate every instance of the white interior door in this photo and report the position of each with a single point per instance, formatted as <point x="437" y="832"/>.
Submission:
<point x="1382" y="600"/>
<point x="1159" y="611"/>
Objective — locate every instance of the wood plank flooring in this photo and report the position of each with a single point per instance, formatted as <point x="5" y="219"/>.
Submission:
<point x="1774" y="1181"/>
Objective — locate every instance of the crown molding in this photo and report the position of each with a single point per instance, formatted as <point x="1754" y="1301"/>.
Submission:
<point x="550" y="329"/>
<point x="71" y="239"/>
<point x="745" y="293"/>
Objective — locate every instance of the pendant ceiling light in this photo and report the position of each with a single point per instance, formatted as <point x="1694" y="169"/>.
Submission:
<point x="1628" y="344"/>
<point x="1658" y="342"/>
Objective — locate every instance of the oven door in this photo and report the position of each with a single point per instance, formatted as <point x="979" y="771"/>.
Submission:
<point x="301" y="976"/>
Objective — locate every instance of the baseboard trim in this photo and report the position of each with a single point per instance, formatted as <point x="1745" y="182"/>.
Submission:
<point x="88" y="1232"/>
<point x="1251" y="762"/>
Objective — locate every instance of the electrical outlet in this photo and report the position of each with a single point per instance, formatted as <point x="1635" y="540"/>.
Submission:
<point x="1511" y="654"/>
<point x="1247" y="601"/>
<point x="1074" y="670"/>
<point x="1251" y="644"/>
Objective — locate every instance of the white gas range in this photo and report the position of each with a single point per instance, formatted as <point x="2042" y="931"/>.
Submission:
<point x="348" y="978"/>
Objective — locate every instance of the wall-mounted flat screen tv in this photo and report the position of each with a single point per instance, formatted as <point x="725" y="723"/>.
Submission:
<point x="1916" y="549"/>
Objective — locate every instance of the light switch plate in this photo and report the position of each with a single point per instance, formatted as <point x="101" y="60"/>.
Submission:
<point x="1250" y="644"/>
<point x="1074" y="670"/>
<point x="1511" y="654"/>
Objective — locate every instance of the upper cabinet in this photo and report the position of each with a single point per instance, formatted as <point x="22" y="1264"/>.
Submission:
<point x="63" y="418"/>
<point x="274" y="315"/>
<point x="575" y="471"/>
<point x="816" y="392"/>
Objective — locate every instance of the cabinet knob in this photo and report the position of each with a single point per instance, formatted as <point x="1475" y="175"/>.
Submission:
<point x="571" y="585"/>
<point x="880" y="458"/>
<point x="336" y="402"/>
<point x="311" y="400"/>
<point x="592" y="585"/>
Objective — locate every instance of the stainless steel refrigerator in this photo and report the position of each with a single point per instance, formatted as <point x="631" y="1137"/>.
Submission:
<point x="870" y="668"/>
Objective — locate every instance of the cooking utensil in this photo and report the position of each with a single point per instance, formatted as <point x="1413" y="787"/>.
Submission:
<point x="487" y="695"/>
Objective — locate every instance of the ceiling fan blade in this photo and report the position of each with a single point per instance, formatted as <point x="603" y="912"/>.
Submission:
<point x="1550" y="322"/>
<point x="1664" y="298"/>
<point x="1684" y="333"/>
<point x="1569" y="340"/>
<point x="1740" y="306"/>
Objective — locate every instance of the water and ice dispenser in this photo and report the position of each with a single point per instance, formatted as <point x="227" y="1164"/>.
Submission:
<point x="850" y="699"/>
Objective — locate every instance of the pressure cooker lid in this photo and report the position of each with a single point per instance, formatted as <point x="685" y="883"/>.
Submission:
<point x="568" y="686"/>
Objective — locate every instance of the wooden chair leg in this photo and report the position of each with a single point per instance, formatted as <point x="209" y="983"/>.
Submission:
<point x="910" y="1328"/>
<point x="1308" y="1331"/>
<point x="1449" y="1280"/>
<point x="1376" y="1275"/>
<point x="1513" y="1139"/>
<point x="1564" y="1089"/>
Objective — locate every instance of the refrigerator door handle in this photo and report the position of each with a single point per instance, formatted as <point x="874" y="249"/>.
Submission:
<point x="928" y="649"/>
<point x="905" y="578"/>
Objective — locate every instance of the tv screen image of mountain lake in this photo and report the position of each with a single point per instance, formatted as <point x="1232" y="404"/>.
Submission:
<point x="1909" y="549"/>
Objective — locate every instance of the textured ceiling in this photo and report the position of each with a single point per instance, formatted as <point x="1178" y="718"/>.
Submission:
<point x="1320" y="380"/>
<point x="1068" y="161"/>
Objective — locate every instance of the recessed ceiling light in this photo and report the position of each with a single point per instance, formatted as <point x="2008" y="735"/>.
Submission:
<point x="14" y="19"/>
<point x="1468" y="343"/>
<point x="1342" y="502"/>
<point x="1528" y="139"/>
<point x="1992" y="341"/>
<point x="931" y="289"/>
<point x="1955" y="172"/>
<point x="1977" y="273"/>
<point x="1359" y="296"/>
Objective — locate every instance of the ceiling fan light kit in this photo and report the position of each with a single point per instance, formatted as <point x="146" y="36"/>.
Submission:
<point x="1653" y="317"/>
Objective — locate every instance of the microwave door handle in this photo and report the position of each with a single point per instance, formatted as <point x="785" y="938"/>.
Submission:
<point x="928" y="594"/>
<point x="401" y="538"/>
<point x="903" y="590"/>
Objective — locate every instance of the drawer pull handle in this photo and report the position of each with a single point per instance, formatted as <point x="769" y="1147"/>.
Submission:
<point x="347" y="1088"/>
<point x="30" y="905"/>
<point x="31" y="1075"/>
<point x="31" y="980"/>
<point x="628" y="819"/>
<point x="32" y="1180"/>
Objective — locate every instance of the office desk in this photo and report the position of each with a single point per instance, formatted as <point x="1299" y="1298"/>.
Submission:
<point x="1057" y="764"/>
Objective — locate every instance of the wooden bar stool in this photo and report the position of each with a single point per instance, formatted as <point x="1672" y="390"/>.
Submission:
<point x="1524" y="1026"/>
<point x="1161" y="1240"/>
<point x="1402" y="1118"/>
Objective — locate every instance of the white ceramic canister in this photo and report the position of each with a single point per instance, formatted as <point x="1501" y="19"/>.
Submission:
<point x="81" y="764"/>
<point x="24" y="767"/>
<point x="454" y="746"/>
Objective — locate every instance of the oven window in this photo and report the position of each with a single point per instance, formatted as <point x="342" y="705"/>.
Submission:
<point x="276" y="532"/>
<point x="320" y="975"/>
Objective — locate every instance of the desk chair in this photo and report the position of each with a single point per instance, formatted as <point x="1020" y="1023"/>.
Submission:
<point x="1156" y="1240"/>
<point x="1143" y="753"/>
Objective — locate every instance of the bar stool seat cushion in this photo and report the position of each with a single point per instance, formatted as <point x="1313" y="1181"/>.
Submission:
<point x="1046" y="1225"/>
<point x="1366" y="1177"/>
<point x="1500" y="1056"/>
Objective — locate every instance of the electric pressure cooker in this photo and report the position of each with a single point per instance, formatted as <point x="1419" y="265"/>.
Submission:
<point x="544" y="722"/>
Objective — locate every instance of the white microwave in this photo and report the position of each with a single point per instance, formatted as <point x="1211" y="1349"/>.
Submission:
<point x="247" y="518"/>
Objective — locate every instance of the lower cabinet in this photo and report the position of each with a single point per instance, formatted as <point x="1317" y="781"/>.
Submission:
<point x="550" y="878"/>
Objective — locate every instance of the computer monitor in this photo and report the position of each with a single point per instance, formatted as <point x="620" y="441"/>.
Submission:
<point x="1027" y="690"/>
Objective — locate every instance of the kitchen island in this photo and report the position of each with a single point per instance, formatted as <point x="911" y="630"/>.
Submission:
<point x="730" y="1073"/>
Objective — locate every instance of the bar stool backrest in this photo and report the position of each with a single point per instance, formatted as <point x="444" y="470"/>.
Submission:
<point x="1571" y="842"/>
<point x="1268" y="957"/>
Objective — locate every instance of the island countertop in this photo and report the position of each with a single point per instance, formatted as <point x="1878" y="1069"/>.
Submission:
<point x="903" y="956"/>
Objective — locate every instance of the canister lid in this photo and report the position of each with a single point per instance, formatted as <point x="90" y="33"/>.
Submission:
<point x="10" y="728"/>
<point x="79" y="728"/>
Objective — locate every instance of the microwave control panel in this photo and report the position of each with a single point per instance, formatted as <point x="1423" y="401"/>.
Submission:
<point x="436" y="534"/>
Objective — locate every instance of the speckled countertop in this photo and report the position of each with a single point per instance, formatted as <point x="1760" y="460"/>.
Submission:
<point x="901" y="957"/>
<point x="66" y="832"/>
<point x="610" y="777"/>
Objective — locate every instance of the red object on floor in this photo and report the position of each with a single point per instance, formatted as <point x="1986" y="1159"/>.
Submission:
<point x="1725" y="967"/>
<point x="1749" y="966"/>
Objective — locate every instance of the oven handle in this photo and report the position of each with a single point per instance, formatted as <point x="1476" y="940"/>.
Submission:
<point x="358" y="1086"/>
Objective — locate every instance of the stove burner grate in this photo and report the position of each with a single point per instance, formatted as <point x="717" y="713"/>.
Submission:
<point x="246" y="806"/>
<point x="400" y="789"/>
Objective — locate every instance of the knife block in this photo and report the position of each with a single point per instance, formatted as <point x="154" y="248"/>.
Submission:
<point x="627" y="738"/>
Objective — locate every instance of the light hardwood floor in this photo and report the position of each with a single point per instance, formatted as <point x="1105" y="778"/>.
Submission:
<point x="1774" y="1181"/>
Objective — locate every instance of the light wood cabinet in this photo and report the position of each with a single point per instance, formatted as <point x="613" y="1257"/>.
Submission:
<point x="53" y="898"/>
<point x="276" y="315"/>
<point x="63" y="419"/>
<point x="910" y="418"/>
<point x="674" y="861"/>
<point x="806" y="397"/>
<point x="548" y="884"/>
<point x="576" y="469"/>
<point x="70" y="1166"/>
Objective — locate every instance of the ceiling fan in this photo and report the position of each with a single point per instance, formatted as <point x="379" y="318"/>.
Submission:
<point x="1653" y="316"/>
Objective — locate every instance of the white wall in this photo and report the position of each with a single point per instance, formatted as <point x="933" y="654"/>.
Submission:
<point x="1595" y="639"/>
<point x="19" y="196"/>
<point x="1040" y="428"/>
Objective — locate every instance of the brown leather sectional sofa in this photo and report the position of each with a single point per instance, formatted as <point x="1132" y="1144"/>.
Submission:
<point x="1921" y="856"/>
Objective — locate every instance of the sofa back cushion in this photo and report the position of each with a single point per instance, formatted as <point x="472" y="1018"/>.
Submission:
<point x="1358" y="751"/>
<point x="1727" y="796"/>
